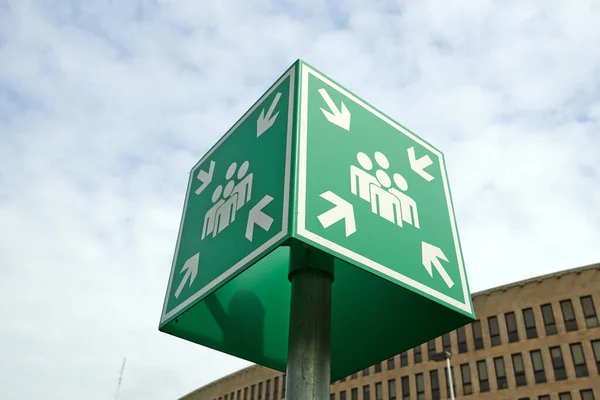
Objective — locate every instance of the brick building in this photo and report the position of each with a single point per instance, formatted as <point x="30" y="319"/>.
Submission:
<point x="537" y="339"/>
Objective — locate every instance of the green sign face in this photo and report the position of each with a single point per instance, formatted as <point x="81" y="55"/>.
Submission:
<point x="237" y="201"/>
<point x="310" y="162"/>
<point x="374" y="194"/>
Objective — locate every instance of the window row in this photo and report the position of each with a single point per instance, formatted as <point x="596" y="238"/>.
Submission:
<point x="512" y="331"/>
<point x="271" y="389"/>
<point x="485" y="373"/>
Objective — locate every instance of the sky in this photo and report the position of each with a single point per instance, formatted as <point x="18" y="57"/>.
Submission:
<point x="106" y="105"/>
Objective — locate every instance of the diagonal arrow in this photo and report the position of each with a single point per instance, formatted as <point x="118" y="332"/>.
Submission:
<point x="342" y="210"/>
<point x="205" y="177"/>
<point x="190" y="267"/>
<point x="257" y="217"/>
<point x="431" y="256"/>
<point x="336" y="116"/>
<point x="264" y="122"/>
<point x="419" y="165"/>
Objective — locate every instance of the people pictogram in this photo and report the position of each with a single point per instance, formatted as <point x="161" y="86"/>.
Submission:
<point x="387" y="201"/>
<point x="228" y="199"/>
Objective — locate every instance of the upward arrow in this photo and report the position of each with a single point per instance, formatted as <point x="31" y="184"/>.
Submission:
<point x="264" y="122"/>
<point x="190" y="268"/>
<point x="342" y="211"/>
<point x="338" y="117"/>
<point x="431" y="256"/>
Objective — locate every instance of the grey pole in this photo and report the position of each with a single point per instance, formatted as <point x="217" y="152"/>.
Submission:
<point x="308" y="366"/>
<point x="450" y="378"/>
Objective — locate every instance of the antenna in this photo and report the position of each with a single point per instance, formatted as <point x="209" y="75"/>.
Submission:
<point x="120" y="379"/>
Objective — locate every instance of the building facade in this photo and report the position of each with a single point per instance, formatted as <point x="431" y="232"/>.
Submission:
<point x="537" y="339"/>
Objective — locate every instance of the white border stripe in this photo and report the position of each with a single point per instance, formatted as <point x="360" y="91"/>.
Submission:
<point x="302" y="231"/>
<point x="286" y="195"/>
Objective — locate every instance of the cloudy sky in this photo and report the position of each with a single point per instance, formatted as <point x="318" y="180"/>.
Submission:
<point x="105" y="105"/>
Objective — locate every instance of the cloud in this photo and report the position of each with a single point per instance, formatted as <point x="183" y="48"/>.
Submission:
<point x="105" y="106"/>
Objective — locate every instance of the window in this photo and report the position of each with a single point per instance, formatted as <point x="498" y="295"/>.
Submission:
<point x="465" y="373"/>
<point x="354" y="394"/>
<point x="565" y="396"/>
<point x="420" y="383"/>
<point x="245" y="393"/>
<point x="578" y="360"/>
<point x="548" y="317"/>
<point x="568" y="315"/>
<point x="494" y="331"/>
<point x="378" y="391"/>
<point x="365" y="372"/>
<point x="268" y="390"/>
<point x="500" y="373"/>
<point x="252" y="389"/>
<point x="354" y="375"/>
<point x="461" y="338"/>
<point x="391" y="363"/>
<point x="343" y="395"/>
<point x="343" y="379"/>
<point x="434" y="381"/>
<point x="418" y="356"/>
<point x="511" y="327"/>
<point x="378" y="367"/>
<point x="544" y="397"/>
<point x="367" y="392"/>
<point x="537" y="361"/>
<point x="447" y="383"/>
<point x="332" y="396"/>
<point x="589" y="312"/>
<point x="596" y="348"/>
<point x="283" y="387"/>
<point x="404" y="359"/>
<point x="529" y="318"/>
<point x="446" y="343"/>
<point x="477" y="335"/>
<point x="405" y="388"/>
<point x="392" y="389"/>
<point x="558" y="363"/>
<point x="431" y="348"/>
<point x="519" y="368"/>
<point x="239" y="394"/>
<point x="586" y="394"/>
<point x="260" y="390"/>
<point x="226" y="397"/>
<point x="276" y="388"/>
<point x="482" y="374"/>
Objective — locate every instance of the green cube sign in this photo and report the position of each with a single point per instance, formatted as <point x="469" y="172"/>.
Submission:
<point x="310" y="162"/>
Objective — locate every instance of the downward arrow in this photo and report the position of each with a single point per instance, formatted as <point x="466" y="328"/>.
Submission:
<point x="342" y="210"/>
<point x="264" y="122"/>
<point x="419" y="165"/>
<point x="190" y="267"/>
<point x="257" y="217"/>
<point x="338" y="117"/>
<point x="431" y="256"/>
<point x="205" y="177"/>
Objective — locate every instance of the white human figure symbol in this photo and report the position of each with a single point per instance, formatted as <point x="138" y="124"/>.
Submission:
<point x="209" y="218"/>
<point x="383" y="202"/>
<point x="226" y="212"/>
<point x="360" y="179"/>
<point x="407" y="204"/>
<point x="243" y="189"/>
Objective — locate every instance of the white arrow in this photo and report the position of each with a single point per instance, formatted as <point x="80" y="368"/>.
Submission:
<point x="419" y="165"/>
<point x="342" y="210"/>
<point x="339" y="117"/>
<point x="264" y="122"/>
<point x="257" y="217"/>
<point x="190" y="267"/>
<point x="431" y="256"/>
<point x="205" y="177"/>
